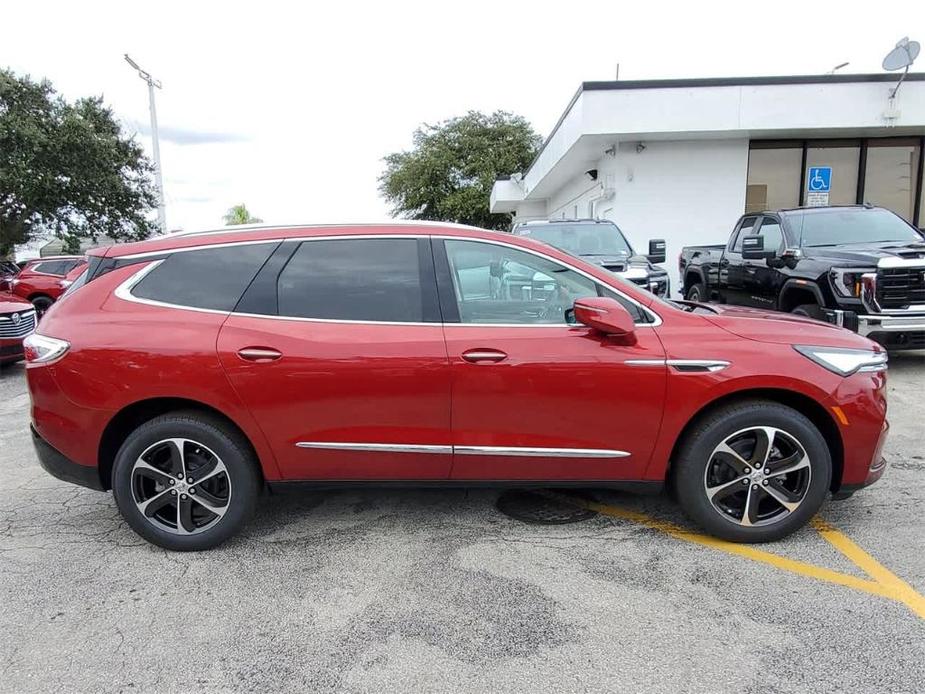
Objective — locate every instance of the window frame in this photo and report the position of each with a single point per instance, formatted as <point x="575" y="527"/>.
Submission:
<point x="450" y="308"/>
<point x="734" y="239"/>
<point x="774" y="219"/>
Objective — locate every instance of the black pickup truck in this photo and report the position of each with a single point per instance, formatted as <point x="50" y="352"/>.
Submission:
<point x="861" y="267"/>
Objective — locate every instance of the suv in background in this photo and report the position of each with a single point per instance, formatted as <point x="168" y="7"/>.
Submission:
<point x="601" y="242"/>
<point x="43" y="280"/>
<point x="186" y="372"/>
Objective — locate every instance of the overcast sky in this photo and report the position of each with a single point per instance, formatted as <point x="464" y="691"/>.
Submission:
<point x="290" y="107"/>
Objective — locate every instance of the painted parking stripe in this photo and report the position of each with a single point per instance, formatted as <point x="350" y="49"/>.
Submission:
<point x="881" y="581"/>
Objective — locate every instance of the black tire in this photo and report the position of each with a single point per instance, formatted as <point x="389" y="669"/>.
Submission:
<point x="698" y="460"/>
<point x="696" y="292"/>
<point x="42" y="304"/>
<point x="210" y="437"/>
<point x="810" y="311"/>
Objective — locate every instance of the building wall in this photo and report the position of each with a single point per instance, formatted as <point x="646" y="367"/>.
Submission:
<point x="687" y="192"/>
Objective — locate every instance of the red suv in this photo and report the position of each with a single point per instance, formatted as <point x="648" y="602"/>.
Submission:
<point x="187" y="372"/>
<point x="42" y="281"/>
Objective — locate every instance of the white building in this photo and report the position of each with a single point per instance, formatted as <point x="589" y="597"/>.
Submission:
<point x="683" y="159"/>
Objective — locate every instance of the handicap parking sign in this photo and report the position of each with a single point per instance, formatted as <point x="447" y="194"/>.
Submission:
<point x="819" y="179"/>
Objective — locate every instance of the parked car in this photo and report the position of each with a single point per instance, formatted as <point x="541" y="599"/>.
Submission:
<point x="17" y="321"/>
<point x="186" y="372"/>
<point x="600" y="241"/>
<point x="861" y="267"/>
<point x="8" y="270"/>
<point x="42" y="281"/>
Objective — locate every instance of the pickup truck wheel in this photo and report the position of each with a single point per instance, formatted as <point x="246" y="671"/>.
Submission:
<point x="696" y="293"/>
<point x="185" y="481"/>
<point x="752" y="472"/>
<point x="810" y="311"/>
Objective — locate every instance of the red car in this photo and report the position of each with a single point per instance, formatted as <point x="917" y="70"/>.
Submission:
<point x="8" y="270"/>
<point x="187" y="372"/>
<point x="42" y="281"/>
<point x="17" y="321"/>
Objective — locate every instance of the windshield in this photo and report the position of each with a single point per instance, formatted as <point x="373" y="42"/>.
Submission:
<point x="581" y="239"/>
<point x="851" y="225"/>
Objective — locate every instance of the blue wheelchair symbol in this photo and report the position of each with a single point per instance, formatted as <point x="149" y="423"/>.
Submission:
<point x="819" y="179"/>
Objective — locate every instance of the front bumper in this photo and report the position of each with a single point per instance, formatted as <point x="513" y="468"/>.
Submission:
<point x="893" y="330"/>
<point x="58" y="465"/>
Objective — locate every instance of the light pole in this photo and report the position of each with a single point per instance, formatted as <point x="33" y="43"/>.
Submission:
<point x="152" y="83"/>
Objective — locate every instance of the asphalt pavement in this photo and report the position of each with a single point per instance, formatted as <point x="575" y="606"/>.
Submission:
<point x="435" y="591"/>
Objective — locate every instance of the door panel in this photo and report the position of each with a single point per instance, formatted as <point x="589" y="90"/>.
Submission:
<point x="557" y="388"/>
<point x="366" y="401"/>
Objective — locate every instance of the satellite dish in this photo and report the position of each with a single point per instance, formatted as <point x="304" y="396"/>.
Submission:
<point x="902" y="56"/>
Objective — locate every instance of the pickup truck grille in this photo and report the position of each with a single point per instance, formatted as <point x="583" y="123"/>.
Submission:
<point x="12" y="329"/>
<point x="899" y="287"/>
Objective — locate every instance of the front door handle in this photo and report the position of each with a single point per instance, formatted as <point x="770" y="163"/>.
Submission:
<point x="260" y="355"/>
<point x="481" y="355"/>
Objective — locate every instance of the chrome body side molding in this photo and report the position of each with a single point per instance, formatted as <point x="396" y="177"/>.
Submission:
<point x="517" y="451"/>
<point x="683" y="365"/>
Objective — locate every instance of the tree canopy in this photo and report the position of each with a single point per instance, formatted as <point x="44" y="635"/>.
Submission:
<point x="239" y="214"/>
<point x="448" y="174"/>
<point x="67" y="168"/>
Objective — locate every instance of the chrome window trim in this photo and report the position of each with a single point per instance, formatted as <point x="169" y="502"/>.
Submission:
<point x="513" y="451"/>
<point x="123" y="291"/>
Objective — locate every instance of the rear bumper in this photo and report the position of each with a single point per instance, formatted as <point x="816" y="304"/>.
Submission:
<point x="58" y="465"/>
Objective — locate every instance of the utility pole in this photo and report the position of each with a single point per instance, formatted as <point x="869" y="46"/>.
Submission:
<point x="152" y="83"/>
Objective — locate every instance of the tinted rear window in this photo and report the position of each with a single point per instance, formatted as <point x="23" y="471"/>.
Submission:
<point x="211" y="278"/>
<point x="53" y="267"/>
<point x="353" y="279"/>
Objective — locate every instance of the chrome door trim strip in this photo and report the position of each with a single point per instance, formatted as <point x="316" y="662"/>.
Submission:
<point x="514" y="451"/>
<point x="519" y="451"/>
<point x="683" y="365"/>
<point x="377" y="447"/>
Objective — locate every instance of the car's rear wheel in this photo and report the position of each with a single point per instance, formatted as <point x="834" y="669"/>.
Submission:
<point x="42" y="304"/>
<point x="696" y="293"/>
<point x="185" y="481"/>
<point x="752" y="472"/>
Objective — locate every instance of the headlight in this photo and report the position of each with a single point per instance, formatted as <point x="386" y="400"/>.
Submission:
<point x="40" y="349"/>
<point x="845" y="362"/>
<point x="847" y="280"/>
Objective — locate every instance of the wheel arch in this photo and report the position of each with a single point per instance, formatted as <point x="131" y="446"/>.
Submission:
<point x="804" y="404"/>
<point x="134" y="415"/>
<point x="798" y="292"/>
<point x="692" y="276"/>
<point x="40" y="295"/>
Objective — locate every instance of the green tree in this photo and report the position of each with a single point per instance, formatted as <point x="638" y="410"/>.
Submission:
<point x="448" y="174"/>
<point x="239" y="214"/>
<point x="66" y="168"/>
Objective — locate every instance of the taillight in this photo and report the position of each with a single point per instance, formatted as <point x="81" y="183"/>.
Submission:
<point x="40" y="349"/>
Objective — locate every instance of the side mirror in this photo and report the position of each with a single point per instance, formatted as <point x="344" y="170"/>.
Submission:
<point x="607" y="316"/>
<point x="753" y="248"/>
<point x="656" y="250"/>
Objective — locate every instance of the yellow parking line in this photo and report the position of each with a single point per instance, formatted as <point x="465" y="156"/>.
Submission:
<point x="882" y="582"/>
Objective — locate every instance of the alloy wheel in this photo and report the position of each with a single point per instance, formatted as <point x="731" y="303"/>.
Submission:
<point x="180" y="486"/>
<point x="757" y="476"/>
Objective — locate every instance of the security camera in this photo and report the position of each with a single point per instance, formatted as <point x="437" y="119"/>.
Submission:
<point x="591" y="174"/>
<point x="640" y="147"/>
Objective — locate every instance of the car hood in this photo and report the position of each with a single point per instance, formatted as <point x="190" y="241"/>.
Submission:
<point x="783" y="328"/>
<point x="11" y="304"/>
<point x="866" y="254"/>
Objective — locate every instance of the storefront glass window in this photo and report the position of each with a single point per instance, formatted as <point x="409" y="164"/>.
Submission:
<point x="890" y="175"/>
<point x="843" y="158"/>
<point x="773" y="179"/>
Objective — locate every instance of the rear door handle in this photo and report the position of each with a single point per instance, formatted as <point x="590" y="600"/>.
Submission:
<point x="491" y="356"/>
<point x="259" y="355"/>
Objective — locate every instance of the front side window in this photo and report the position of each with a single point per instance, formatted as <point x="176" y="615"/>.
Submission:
<point x="353" y="279"/>
<point x="497" y="284"/>
<point x="773" y="236"/>
<point x="747" y="227"/>
<point x="211" y="278"/>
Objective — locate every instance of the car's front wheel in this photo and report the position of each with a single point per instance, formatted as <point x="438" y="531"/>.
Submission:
<point x="752" y="472"/>
<point x="185" y="481"/>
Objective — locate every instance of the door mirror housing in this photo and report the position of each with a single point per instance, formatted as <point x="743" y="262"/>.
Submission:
<point x="657" y="250"/>
<point x="606" y="316"/>
<point x="753" y="248"/>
